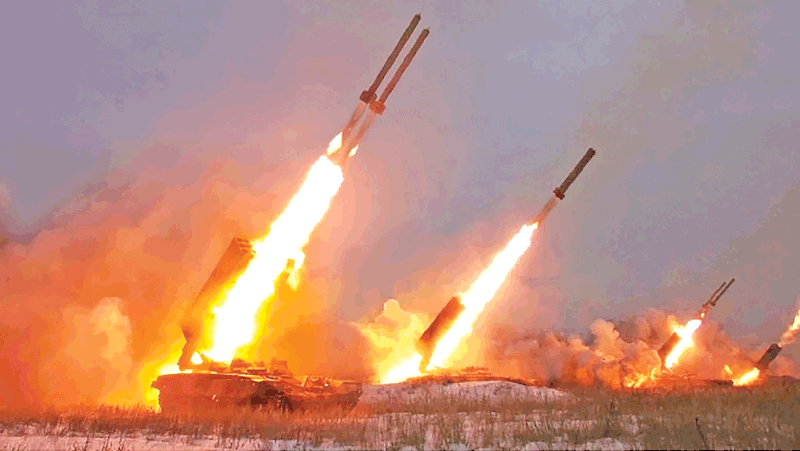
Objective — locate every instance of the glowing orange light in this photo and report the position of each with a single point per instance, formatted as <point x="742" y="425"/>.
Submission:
<point x="791" y="332"/>
<point x="335" y="144"/>
<point x="480" y="293"/>
<point x="728" y="371"/>
<point x="747" y="378"/>
<point x="474" y="300"/>
<point x="235" y="320"/>
<point x="403" y="370"/>
<point x="685" y="343"/>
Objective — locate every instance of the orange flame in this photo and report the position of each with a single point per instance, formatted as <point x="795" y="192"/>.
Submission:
<point x="790" y="333"/>
<point x="748" y="378"/>
<point x="474" y="300"/>
<point x="335" y="144"/>
<point x="408" y="367"/>
<point x="480" y="293"/>
<point x="685" y="343"/>
<point x="236" y="319"/>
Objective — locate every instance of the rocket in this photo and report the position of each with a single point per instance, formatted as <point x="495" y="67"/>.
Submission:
<point x="712" y="301"/>
<point x="561" y="190"/>
<point x="427" y="342"/>
<point x="351" y="135"/>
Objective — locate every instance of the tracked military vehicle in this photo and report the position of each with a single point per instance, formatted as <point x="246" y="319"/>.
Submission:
<point x="214" y="385"/>
<point x="242" y="385"/>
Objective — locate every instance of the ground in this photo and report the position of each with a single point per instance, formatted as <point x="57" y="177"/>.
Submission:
<point x="459" y="416"/>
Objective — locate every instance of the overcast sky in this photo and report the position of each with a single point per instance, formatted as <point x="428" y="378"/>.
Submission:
<point x="693" y="108"/>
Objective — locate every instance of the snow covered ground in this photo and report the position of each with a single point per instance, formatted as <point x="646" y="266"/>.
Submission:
<point x="483" y="393"/>
<point x="456" y="416"/>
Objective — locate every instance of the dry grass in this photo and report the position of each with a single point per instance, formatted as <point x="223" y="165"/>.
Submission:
<point x="718" y="418"/>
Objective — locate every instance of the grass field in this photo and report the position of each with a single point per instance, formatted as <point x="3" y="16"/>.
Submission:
<point x="590" y="419"/>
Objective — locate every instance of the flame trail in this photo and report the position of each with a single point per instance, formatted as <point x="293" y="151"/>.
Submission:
<point x="235" y="320"/>
<point x="480" y="293"/>
<point x="685" y="333"/>
<point x="408" y="367"/>
<point x="790" y="333"/>
<point x="475" y="299"/>
<point x="747" y="378"/>
<point x="788" y="337"/>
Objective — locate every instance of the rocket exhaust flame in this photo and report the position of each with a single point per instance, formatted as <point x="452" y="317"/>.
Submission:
<point x="771" y="353"/>
<point x="438" y="344"/>
<point x="480" y="293"/>
<point x="235" y="320"/>
<point x="685" y="333"/>
<point x="790" y="333"/>
<point x="681" y="340"/>
<point x="232" y="263"/>
<point x="748" y="378"/>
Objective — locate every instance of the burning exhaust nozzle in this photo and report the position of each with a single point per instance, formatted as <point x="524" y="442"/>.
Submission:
<point x="229" y="267"/>
<point x="438" y="328"/>
<point x="769" y="355"/>
<point x="561" y="190"/>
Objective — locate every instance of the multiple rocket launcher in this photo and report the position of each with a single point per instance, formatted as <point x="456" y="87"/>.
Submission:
<point x="427" y="342"/>
<point x="239" y="253"/>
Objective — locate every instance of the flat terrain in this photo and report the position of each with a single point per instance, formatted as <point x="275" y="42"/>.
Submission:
<point x="472" y="415"/>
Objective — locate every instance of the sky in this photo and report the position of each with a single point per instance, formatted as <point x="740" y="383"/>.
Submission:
<point x="187" y="123"/>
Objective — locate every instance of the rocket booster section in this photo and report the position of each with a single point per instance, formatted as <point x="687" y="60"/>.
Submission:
<point x="351" y="137"/>
<point x="561" y="190"/>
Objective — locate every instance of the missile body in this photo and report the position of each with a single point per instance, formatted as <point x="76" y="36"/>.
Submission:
<point x="230" y="266"/>
<point x="769" y="355"/>
<point x="715" y="296"/>
<point x="561" y="190"/>
<point x="351" y="137"/>
<point x="440" y="325"/>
